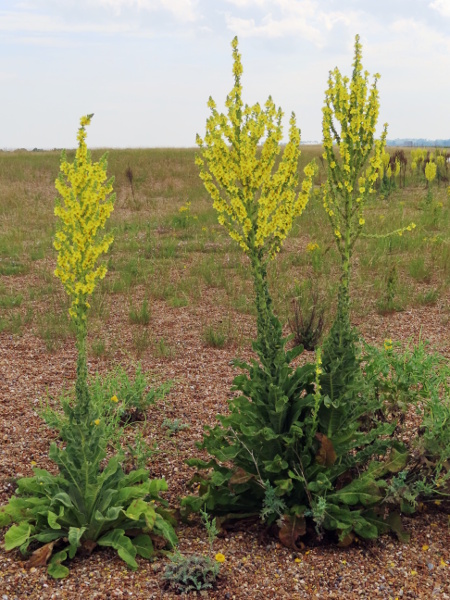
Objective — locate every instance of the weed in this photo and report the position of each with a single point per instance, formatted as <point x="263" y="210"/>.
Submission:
<point x="175" y="425"/>
<point x="141" y="341"/>
<point x="419" y="270"/>
<point x="11" y="301"/>
<point x="163" y="349"/>
<point x="308" y="316"/>
<point x="140" y="316"/>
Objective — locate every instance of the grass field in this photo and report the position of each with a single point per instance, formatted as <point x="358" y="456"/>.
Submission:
<point x="169" y="246"/>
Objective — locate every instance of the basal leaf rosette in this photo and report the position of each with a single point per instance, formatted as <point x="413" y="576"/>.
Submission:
<point x="85" y="203"/>
<point x="253" y="190"/>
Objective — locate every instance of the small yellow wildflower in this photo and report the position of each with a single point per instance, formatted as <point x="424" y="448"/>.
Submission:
<point x="97" y="422"/>
<point x="220" y="558"/>
<point x="361" y="221"/>
<point x="115" y="399"/>
<point x="388" y="345"/>
<point x="33" y="463"/>
<point x="312" y="246"/>
<point x="297" y="560"/>
<point x="413" y="572"/>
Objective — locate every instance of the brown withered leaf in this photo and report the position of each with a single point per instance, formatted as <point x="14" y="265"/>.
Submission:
<point x="239" y="476"/>
<point x="326" y="455"/>
<point x="40" y="557"/>
<point x="292" y="527"/>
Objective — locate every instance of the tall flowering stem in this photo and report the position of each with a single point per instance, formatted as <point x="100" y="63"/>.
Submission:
<point x="354" y="158"/>
<point x="253" y="189"/>
<point x="84" y="204"/>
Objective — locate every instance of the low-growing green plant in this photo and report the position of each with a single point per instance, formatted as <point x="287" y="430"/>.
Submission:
<point x="190" y="573"/>
<point x="142" y="341"/>
<point x="195" y="572"/>
<point x="175" y="425"/>
<point x="163" y="349"/>
<point x="140" y="316"/>
<point x="10" y="300"/>
<point x="216" y="336"/>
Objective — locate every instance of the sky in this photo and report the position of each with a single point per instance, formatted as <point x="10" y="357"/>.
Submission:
<point x="146" y="68"/>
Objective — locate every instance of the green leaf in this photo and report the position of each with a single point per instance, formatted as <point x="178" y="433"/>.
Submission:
<point x="52" y="518"/>
<point x="57" y="571"/>
<point x="165" y="529"/>
<point x="55" y="568"/>
<point x="119" y="541"/>
<point x="49" y="535"/>
<point x="396" y="461"/>
<point x="144" y="545"/>
<point x="5" y="518"/>
<point x="17" y="535"/>
<point x="360" y="491"/>
<point x="74" y="536"/>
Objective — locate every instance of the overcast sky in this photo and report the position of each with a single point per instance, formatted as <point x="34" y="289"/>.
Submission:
<point x="147" y="67"/>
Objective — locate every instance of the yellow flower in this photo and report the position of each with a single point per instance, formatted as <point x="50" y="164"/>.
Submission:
<point x="311" y="247"/>
<point x="361" y="221"/>
<point x="114" y="399"/>
<point x="220" y="558"/>
<point x="425" y="547"/>
<point x="97" y="422"/>
<point x="388" y="345"/>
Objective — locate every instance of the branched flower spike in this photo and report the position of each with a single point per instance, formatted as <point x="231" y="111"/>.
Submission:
<point x="85" y="203"/>
<point x="256" y="201"/>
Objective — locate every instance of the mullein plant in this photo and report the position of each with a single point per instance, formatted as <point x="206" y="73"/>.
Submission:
<point x="430" y="176"/>
<point x="354" y="161"/>
<point x="88" y="503"/>
<point x="253" y="190"/>
<point x="272" y="456"/>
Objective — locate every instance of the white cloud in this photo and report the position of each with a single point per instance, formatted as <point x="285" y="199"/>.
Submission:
<point x="184" y="10"/>
<point x="274" y="28"/>
<point x="442" y="6"/>
<point x="282" y="18"/>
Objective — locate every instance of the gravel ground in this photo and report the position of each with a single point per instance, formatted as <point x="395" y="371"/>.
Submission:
<point x="256" y="566"/>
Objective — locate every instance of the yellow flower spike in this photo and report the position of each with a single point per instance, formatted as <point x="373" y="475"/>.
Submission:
<point x="253" y="189"/>
<point x="85" y="202"/>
